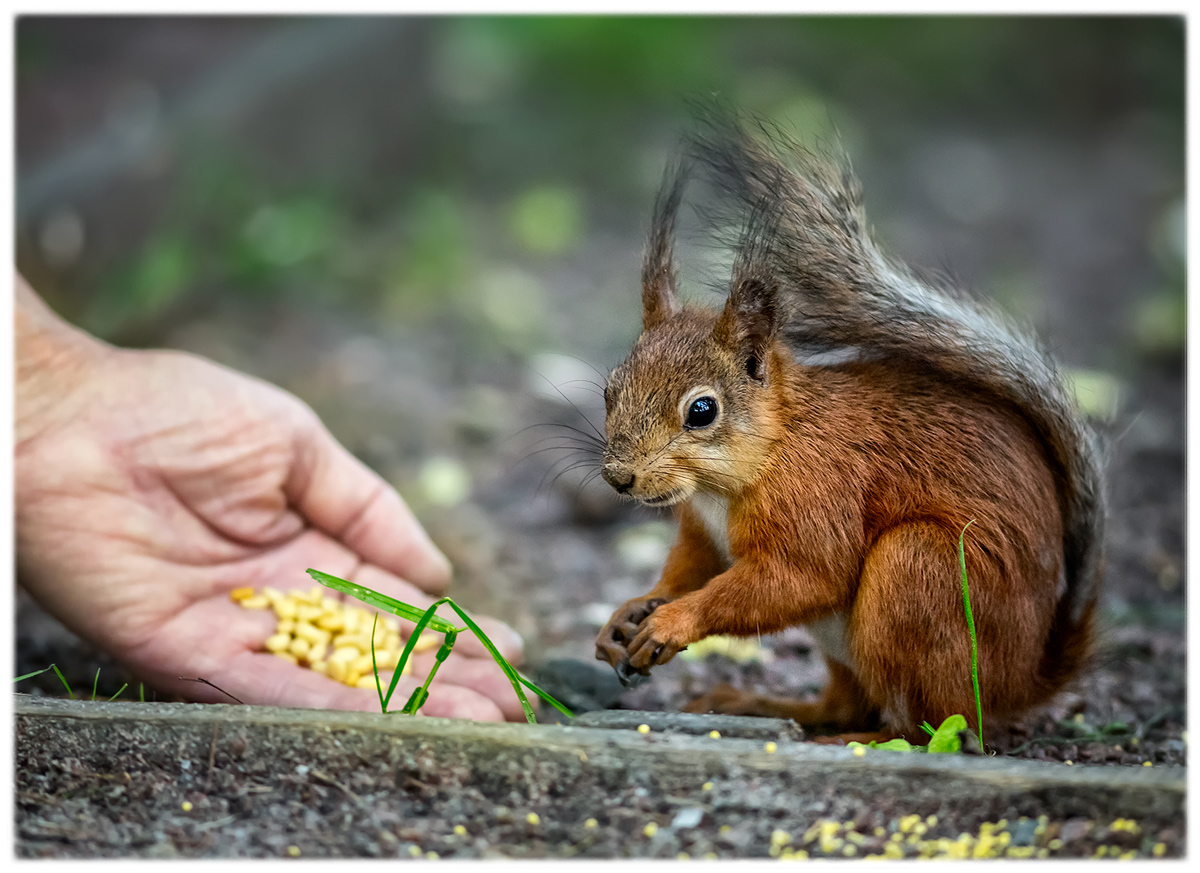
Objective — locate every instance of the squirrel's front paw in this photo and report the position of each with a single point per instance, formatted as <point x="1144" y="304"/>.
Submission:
<point x="612" y="642"/>
<point x="661" y="637"/>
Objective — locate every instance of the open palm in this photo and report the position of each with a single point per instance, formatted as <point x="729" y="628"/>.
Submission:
<point x="173" y="481"/>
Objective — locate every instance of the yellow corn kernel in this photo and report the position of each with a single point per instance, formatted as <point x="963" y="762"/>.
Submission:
<point x="239" y="594"/>
<point x="318" y="667"/>
<point x="387" y="660"/>
<point x="273" y="594"/>
<point x="314" y="635"/>
<point x="285" y="608"/>
<point x="336" y="670"/>
<point x="299" y="648"/>
<point x="428" y="640"/>
<point x="345" y="654"/>
<point x="258" y="601"/>
<point x="308" y="612"/>
<point x="361" y="642"/>
<point x="368" y="681"/>
<point x="331" y="621"/>
<point x="317" y="653"/>
<point x="352" y="677"/>
<point x="285" y="626"/>
<point x="277" y="643"/>
<point x="312" y="596"/>
<point x="361" y="664"/>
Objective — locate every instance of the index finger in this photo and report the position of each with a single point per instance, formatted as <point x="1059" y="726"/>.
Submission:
<point x="339" y="494"/>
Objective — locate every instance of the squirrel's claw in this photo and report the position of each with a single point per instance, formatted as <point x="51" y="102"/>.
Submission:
<point x="649" y="649"/>
<point x="613" y="640"/>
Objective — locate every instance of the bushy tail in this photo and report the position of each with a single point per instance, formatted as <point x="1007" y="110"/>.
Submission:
<point x="837" y="291"/>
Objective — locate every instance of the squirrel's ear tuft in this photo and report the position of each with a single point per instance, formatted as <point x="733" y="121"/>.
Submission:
<point x="747" y="324"/>
<point x="659" y="298"/>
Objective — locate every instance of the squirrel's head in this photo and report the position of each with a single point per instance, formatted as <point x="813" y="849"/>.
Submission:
<point x="690" y="408"/>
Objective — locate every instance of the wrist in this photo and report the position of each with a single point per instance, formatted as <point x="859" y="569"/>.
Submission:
<point x="53" y="362"/>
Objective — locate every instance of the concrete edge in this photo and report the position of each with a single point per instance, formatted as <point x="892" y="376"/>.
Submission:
<point x="670" y="748"/>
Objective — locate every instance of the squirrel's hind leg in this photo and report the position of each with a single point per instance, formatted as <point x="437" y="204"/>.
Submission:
<point x="907" y="631"/>
<point x="843" y="706"/>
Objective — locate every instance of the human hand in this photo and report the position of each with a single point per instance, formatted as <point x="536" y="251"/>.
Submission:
<point x="151" y="484"/>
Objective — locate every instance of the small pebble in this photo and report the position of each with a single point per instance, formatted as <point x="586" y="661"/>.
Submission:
<point x="643" y="728"/>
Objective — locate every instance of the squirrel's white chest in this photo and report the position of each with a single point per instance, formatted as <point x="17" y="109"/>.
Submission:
<point x="713" y="513"/>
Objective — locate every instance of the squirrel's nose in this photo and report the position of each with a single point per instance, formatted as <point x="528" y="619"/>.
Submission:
<point x="621" y="480"/>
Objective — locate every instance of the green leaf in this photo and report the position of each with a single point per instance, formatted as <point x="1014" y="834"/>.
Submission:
<point x="945" y="738"/>
<point x="897" y="745"/>
<point x="381" y="601"/>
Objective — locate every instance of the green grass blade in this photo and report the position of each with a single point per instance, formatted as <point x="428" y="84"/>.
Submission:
<point x="142" y="692"/>
<point x="96" y="683"/>
<point x="962" y="563"/>
<point x="381" y="601"/>
<point x="546" y="697"/>
<point x="375" y="666"/>
<point x="508" y="669"/>
<point x="63" y="680"/>
<point x="418" y="700"/>
<point x="34" y="673"/>
<point x="423" y="621"/>
<point x="119" y="690"/>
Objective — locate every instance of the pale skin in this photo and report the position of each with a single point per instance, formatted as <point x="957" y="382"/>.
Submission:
<point x="150" y="484"/>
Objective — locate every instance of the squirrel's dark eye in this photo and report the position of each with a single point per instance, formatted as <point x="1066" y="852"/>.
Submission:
<point x="701" y="413"/>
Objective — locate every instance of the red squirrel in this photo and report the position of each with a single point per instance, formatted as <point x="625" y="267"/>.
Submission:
<point x="824" y="439"/>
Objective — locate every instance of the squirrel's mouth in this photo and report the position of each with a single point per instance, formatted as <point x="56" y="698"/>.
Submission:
<point x="663" y="499"/>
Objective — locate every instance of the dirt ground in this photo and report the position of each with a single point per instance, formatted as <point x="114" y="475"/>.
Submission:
<point x="538" y="545"/>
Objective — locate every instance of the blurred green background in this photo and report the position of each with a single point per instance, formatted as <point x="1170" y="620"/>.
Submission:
<point x="450" y="169"/>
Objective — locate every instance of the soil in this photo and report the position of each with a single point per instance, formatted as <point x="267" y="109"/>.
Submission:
<point x="547" y="549"/>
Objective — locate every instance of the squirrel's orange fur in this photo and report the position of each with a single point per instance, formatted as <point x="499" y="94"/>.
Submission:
<point x="833" y="494"/>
